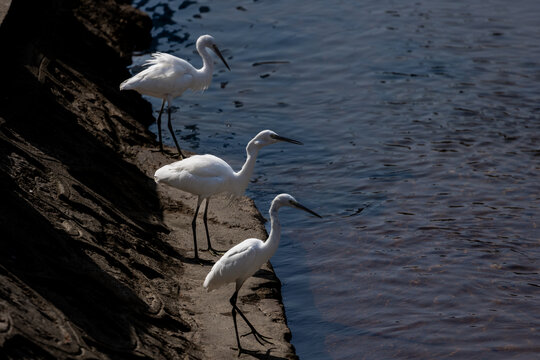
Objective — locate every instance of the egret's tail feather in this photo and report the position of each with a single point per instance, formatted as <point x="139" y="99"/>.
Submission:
<point x="126" y="85"/>
<point x="206" y="284"/>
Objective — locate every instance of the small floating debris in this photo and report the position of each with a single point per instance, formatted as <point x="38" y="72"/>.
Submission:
<point x="404" y="74"/>
<point x="398" y="145"/>
<point x="466" y="111"/>
<point x="270" y="62"/>
<point x="356" y="212"/>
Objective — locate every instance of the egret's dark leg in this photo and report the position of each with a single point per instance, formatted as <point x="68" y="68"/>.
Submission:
<point x="260" y="338"/>
<point x="194" y="228"/>
<point x="172" y="132"/>
<point x="159" y="126"/>
<point x="210" y="249"/>
<point x="232" y="300"/>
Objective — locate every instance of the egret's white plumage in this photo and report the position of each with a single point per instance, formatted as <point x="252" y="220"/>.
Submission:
<point x="168" y="76"/>
<point x="202" y="175"/>
<point x="243" y="260"/>
<point x="207" y="175"/>
<point x="237" y="264"/>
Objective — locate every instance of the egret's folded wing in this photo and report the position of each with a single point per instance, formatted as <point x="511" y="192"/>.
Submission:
<point x="237" y="263"/>
<point x="160" y="77"/>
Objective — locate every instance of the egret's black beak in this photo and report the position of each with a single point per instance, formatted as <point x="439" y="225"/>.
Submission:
<point x="302" y="207"/>
<point x="216" y="50"/>
<point x="281" y="138"/>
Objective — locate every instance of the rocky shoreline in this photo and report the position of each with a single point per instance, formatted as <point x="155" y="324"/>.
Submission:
<point x="95" y="258"/>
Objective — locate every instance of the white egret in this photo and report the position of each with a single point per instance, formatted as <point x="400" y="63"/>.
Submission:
<point x="168" y="77"/>
<point x="244" y="259"/>
<point x="207" y="175"/>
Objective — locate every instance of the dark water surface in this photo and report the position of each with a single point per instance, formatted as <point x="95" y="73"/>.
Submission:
<point x="421" y="124"/>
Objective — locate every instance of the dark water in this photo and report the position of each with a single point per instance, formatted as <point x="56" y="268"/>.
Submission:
<point x="421" y="124"/>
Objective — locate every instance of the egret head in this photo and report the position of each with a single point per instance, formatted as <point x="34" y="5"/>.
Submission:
<point x="268" y="137"/>
<point x="288" y="200"/>
<point x="209" y="42"/>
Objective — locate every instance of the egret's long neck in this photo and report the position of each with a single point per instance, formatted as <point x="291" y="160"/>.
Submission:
<point x="245" y="173"/>
<point x="271" y="244"/>
<point x="208" y="63"/>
